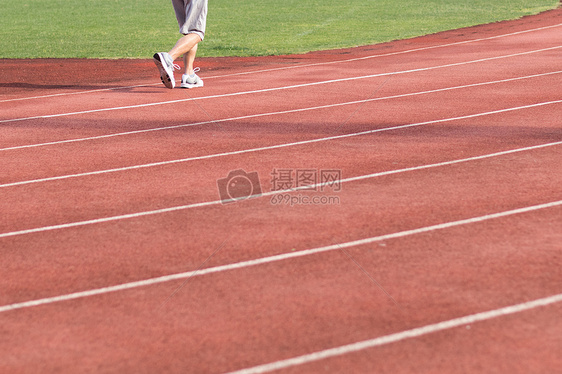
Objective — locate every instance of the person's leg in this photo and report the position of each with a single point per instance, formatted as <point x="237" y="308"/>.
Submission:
<point x="184" y="45"/>
<point x="189" y="79"/>
<point x="188" y="59"/>
<point x="191" y="16"/>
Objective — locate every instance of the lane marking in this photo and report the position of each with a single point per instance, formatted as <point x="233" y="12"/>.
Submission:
<point x="263" y="90"/>
<point x="266" y="148"/>
<point x="98" y="137"/>
<point x="273" y="259"/>
<point x="392" y="53"/>
<point x="266" y="194"/>
<point x="400" y="336"/>
<point x="299" y="66"/>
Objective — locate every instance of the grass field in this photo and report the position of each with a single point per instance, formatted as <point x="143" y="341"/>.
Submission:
<point x="136" y="29"/>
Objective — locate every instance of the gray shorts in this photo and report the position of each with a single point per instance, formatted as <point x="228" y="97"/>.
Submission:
<point x="192" y="16"/>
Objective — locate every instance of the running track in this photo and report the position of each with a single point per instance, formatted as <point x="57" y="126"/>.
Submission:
<point x="439" y="251"/>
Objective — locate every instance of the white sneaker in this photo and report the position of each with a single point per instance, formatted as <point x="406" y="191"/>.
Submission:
<point x="166" y="66"/>
<point x="191" y="81"/>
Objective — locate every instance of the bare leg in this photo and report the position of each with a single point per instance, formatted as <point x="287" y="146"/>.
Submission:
<point x="188" y="60"/>
<point x="185" y="44"/>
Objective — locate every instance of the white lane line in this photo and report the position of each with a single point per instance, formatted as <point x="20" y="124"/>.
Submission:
<point x="146" y="105"/>
<point x="265" y="148"/>
<point x="391" y="53"/>
<point x="276" y="258"/>
<point x="299" y="66"/>
<point x="400" y="336"/>
<point x="81" y="92"/>
<point x="279" y="112"/>
<point x="271" y="193"/>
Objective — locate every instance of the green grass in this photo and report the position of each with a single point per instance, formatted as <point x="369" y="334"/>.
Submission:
<point x="138" y="28"/>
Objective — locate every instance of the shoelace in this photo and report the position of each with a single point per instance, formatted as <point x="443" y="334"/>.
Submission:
<point x="195" y="70"/>
<point x="168" y="60"/>
<point x="185" y="77"/>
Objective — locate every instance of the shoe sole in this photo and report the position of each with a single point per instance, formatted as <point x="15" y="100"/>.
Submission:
<point x="192" y="85"/>
<point x="164" y="74"/>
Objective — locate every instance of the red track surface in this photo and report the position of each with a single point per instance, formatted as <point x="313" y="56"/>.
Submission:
<point x="110" y="179"/>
